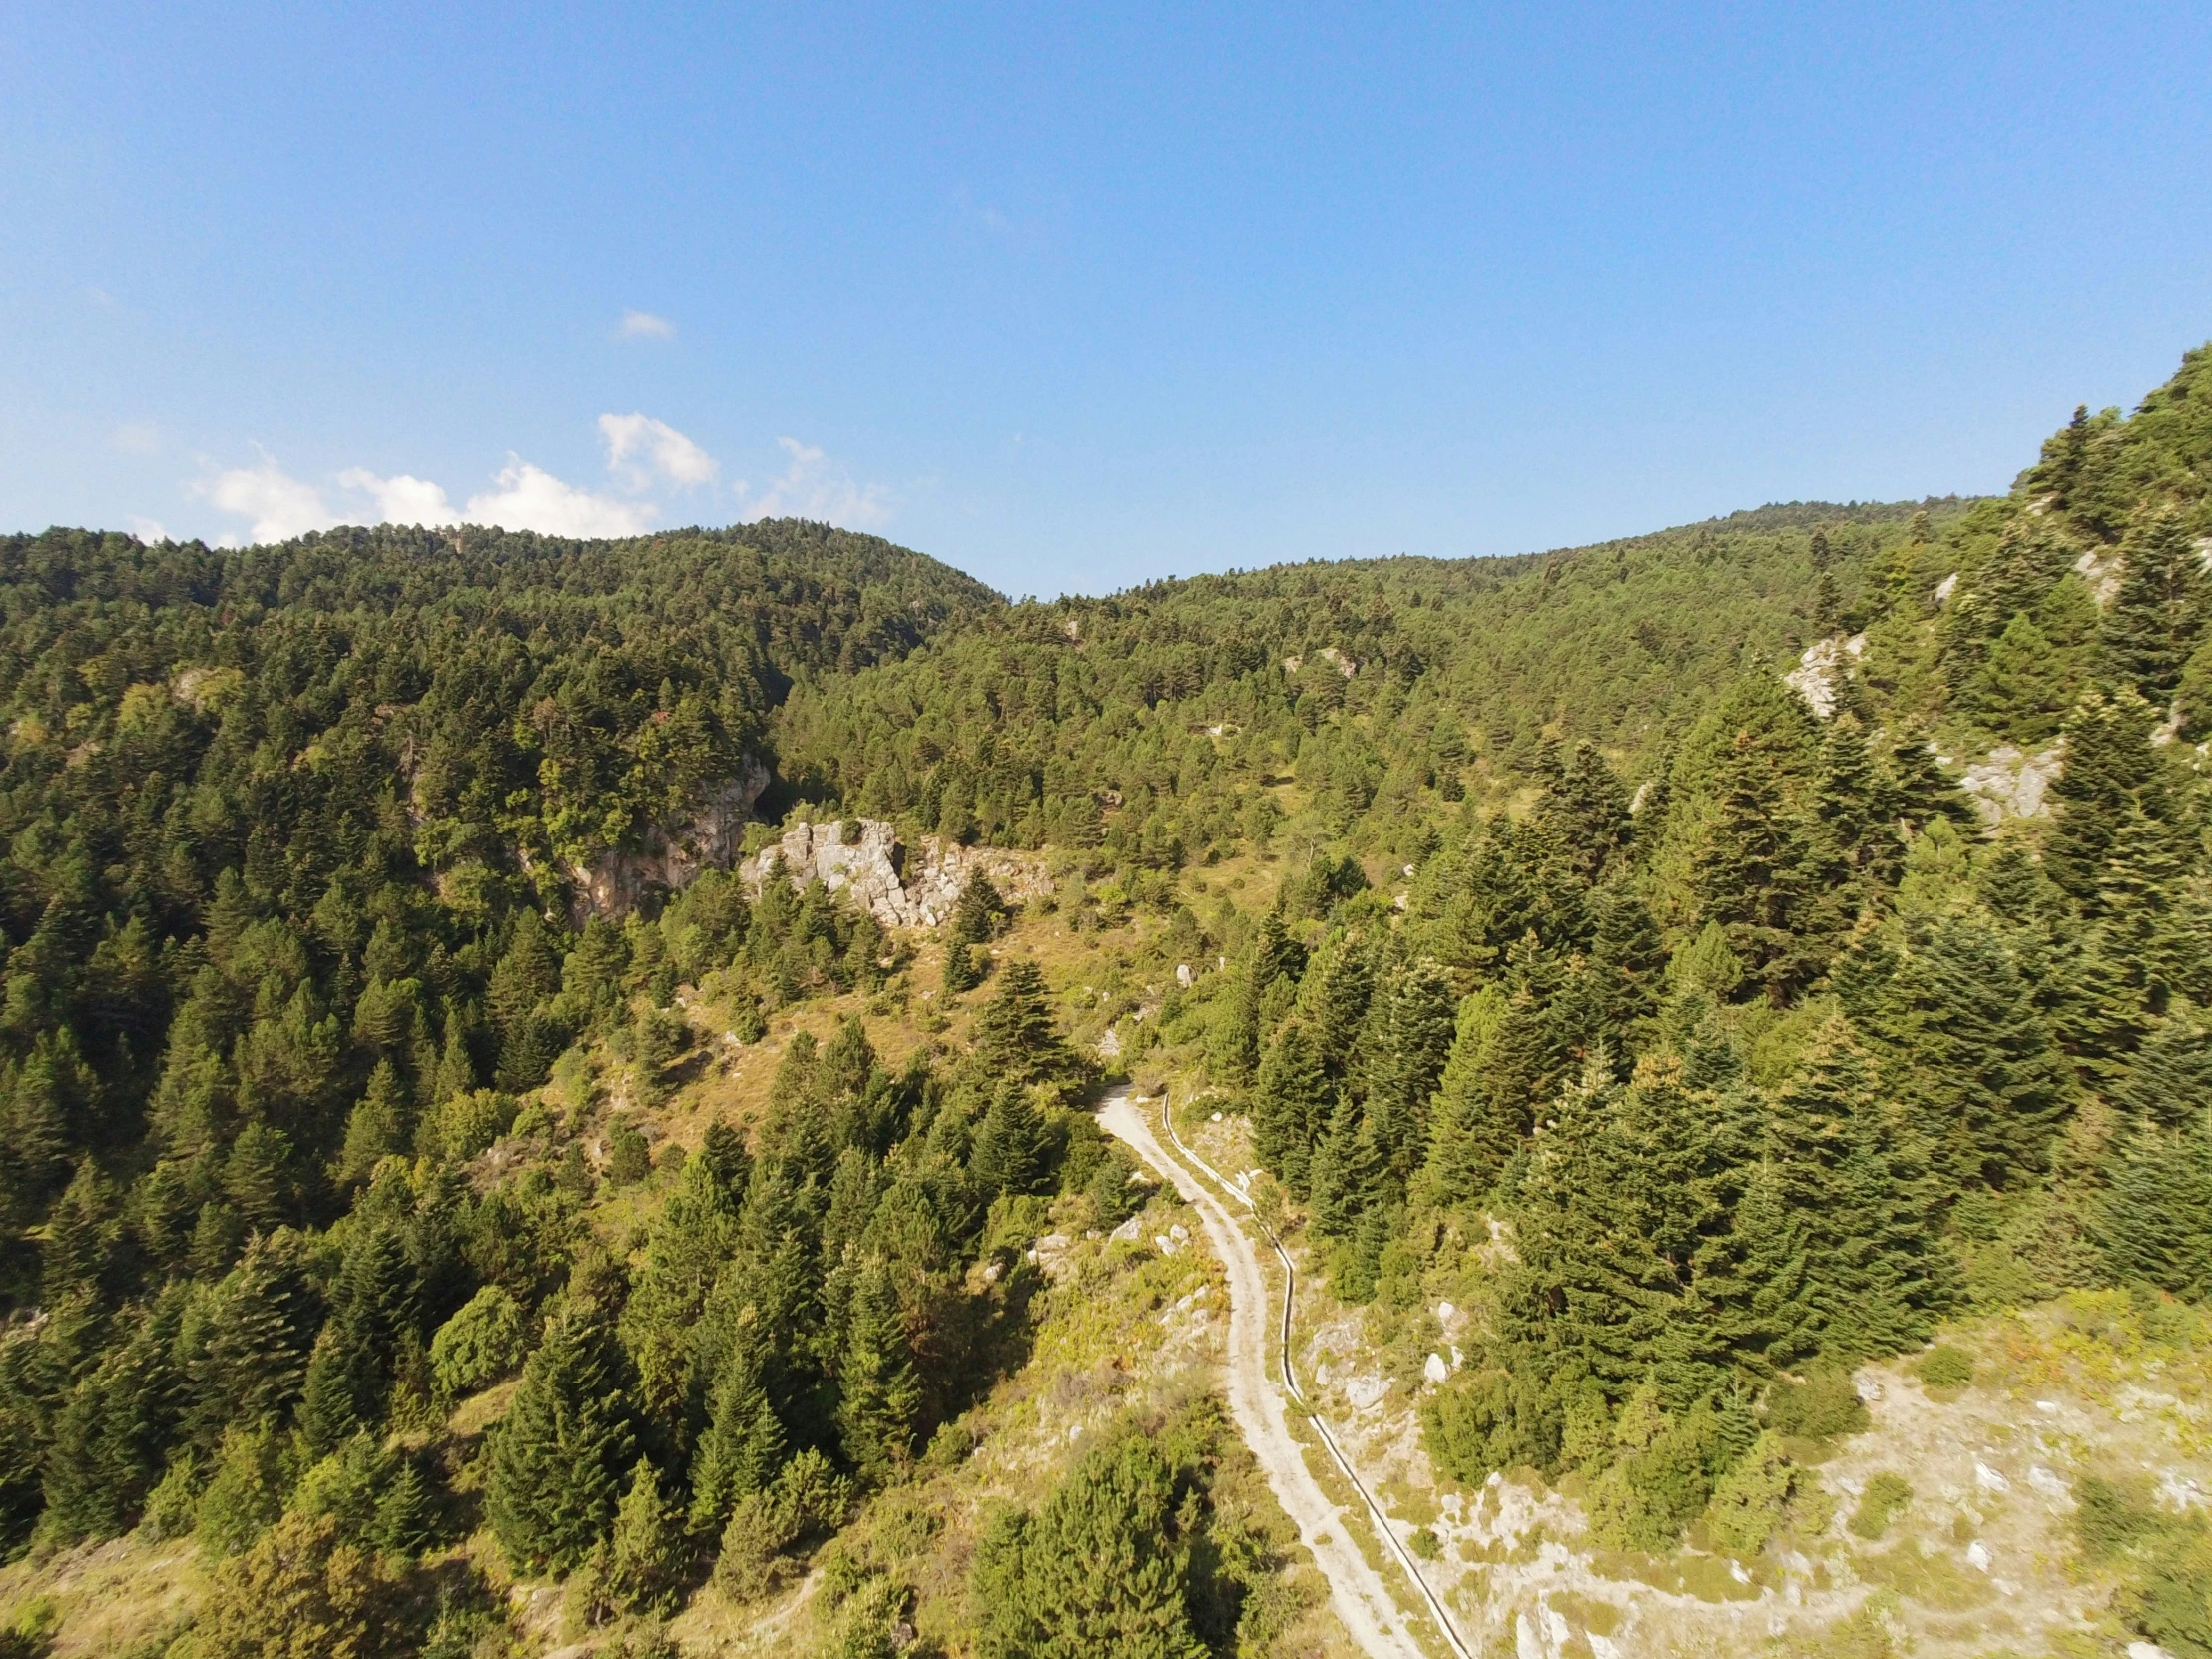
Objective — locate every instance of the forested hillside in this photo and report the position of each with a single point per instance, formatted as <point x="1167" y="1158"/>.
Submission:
<point x="1692" y="1024"/>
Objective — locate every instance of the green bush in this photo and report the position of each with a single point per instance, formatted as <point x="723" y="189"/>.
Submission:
<point x="1944" y="1366"/>
<point x="467" y="1124"/>
<point x="1749" y="1502"/>
<point x="1482" y="1421"/>
<point x="1823" y="1407"/>
<point x="247" y="1493"/>
<point x="479" y="1344"/>
<point x="1885" y="1497"/>
<point x="629" y="1160"/>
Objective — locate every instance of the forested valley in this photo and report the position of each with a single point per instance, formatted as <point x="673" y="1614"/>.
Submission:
<point x="1721" y="957"/>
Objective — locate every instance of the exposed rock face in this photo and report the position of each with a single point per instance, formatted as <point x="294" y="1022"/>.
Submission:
<point x="671" y="858"/>
<point x="902" y="887"/>
<point x="1824" y="665"/>
<point x="2011" y="783"/>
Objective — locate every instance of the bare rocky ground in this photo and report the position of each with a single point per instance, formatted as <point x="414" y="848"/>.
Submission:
<point x="1981" y="1561"/>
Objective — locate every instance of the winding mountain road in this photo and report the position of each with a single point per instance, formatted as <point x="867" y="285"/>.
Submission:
<point x="1363" y="1600"/>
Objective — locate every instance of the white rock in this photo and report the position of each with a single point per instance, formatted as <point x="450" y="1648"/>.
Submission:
<point x="1127" y="1230"/>
<point x="1179" y="1232"/>
<point x="1435" y="1368"/>
<point x="2046" y="1406"/>
<point x="901" y="887"/>
<point x="2048" y="1484"/>
<point x="1364" y="1392"/>
<point x="2146" y="1650"/>
<point x="1526" y="1643"/>
<point x="1444" y="1311"/>
<point x="1183" y="974"/>
<point x="1217" y="1117"/>
<point x="1165" y="1244"/>
<point x="1814" y="679"/>
<point x="1557" y="1628"/>
<point x="1978" y="1556"/>
<point x="2011" y="783"/>
<point x="1946" y="588"/>
<point x="1736" y="1571"/>
<point x="1989" y="1479"/>
<point x="1602" y="1647"/>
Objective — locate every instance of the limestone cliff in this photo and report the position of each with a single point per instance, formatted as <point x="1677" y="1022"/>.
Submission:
<point x="901" y="886"/>
<point x="671" y="855"/>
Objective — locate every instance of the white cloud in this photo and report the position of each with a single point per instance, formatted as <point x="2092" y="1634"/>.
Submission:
<point x="644" y="326"/>
<point x="530" y="498"/>
<point x="639" y="450"/>
<point x="280" y="507"/>
<point x="149" y="531"/>
<point x="814" y="486"/>
<point x="403" y="500"/>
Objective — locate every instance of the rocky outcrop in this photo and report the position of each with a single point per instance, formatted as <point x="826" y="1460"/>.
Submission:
<point x="901" y="886"/>
<point x="1823" y="666"/>
<point x="671" y="857"/>
<point x="2014" y="784"/>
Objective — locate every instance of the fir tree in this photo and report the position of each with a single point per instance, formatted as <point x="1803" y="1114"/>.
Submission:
<point x="2160" y="612"/>
<point x="1017" y="1037"/>
<point x="1756" y="873"/>
<point x="1103" y="1568"/>
<point x="1290" y="1106"/>
<point x="1469" y="1141"/>
<point x="1346" y="1174"/>
<point x="376" y="1128"/>
<point x="878" y="1396"/>
<point x="1010" y="1145"/>
<point x="2156" y="1223"/>
<point x="1984" y="1082"/>
<point x="2110" y="768"/>
<point x="2025" y="687"/>
<point x="975" y="918"/>
<point x="2141" y="932"/>
<point x="1332" y="1001"/>
<point x="2170" y="1082"/>
<point x="1844" y="1170"/>
<point x="1407" y="1059"/>
<point x="557" y="1457"/>
<point x="742" y="1445"/>
<point x="259" y="1333"/>
<point x="646" y="1562"/>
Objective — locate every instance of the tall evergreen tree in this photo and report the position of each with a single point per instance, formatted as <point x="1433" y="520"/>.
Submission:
<point x="1011" y="1145"/>
<point x="878" y="1396"/>
<point x="1103" y="1568"/>
<point x="1290" y="1106"/>
<point x="2161" y="610"/>
<point x="646" y="1562"/>
<point x="1411" y="1040"/>
<point x="1347" y="1175"/>
<point x="1017" y="1037"/>
<point x="743" y="1443"/>
<point x="1469" y="1140"/>
<point x="1852" y="1176"/>
<point x="2156" y="1223"/>
<point x="2111" y="766"/>
<point x="1755" y="872"/>
<point x="1974" y="1059"/>
<point x="558" y="1457"/>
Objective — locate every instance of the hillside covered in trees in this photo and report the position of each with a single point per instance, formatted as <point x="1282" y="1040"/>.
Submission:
<point x="1696" y="1019"/>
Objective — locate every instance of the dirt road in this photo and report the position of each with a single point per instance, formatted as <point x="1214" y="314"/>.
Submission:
<point x="1362" y="1601"/>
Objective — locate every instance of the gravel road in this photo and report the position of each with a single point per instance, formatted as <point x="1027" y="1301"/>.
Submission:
<point x="1362" y="1601"/>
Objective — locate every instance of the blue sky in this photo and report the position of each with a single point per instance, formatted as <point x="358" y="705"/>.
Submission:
<point x="1077" y="299"/>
